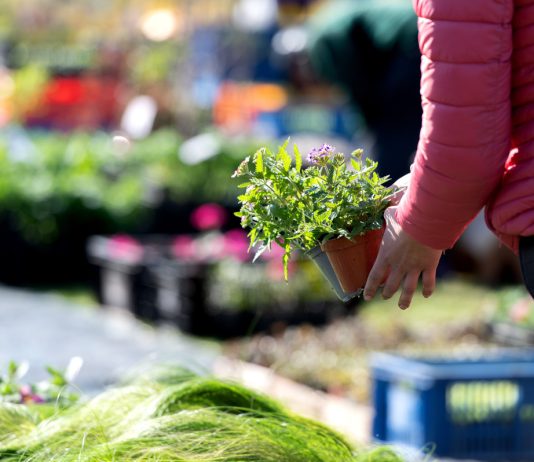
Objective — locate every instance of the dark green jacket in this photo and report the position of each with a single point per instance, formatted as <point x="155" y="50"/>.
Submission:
<point x="369" y="48"/>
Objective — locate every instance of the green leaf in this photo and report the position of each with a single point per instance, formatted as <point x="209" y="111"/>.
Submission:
<point x="286" y="159"/>
<point x="355" y="164"/>
<point x="12" y="369"/>
<point x="298" y="158"/>
<point x="358" y="153"/>
<point x="285" y="260"/>
<point x="57" y="377"/>
<point x="253" y="235"/>
<point x="258" y="158"/>
<point x="326" y="215"/>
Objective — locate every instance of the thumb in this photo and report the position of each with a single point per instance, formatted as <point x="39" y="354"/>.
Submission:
<point x="392" y="225"/>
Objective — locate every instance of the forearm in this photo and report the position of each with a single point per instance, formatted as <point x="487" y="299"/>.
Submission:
<point x="465" y="136"/>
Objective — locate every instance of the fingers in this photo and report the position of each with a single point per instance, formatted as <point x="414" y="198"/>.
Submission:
<point x="396" y="279"/>
<point x="400" y="263"/>
<point x="375" y="279"/>
<point x="392" y="284"/>
<point x="396" y="197"/>
<point x="429" y="282"/>
<point x="409" y="286"/>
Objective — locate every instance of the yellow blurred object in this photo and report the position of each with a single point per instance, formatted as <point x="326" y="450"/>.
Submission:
<point x="267" y="97"/>
<point x="160" y="24"/>
<point x="23" y="90"/>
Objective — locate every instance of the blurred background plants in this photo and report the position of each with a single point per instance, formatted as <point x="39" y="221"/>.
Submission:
<point x="52" y="178"/>
<point x="57" y="390"/>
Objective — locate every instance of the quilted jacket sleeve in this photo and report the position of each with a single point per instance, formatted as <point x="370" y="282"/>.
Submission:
<point x="466" y="48"/>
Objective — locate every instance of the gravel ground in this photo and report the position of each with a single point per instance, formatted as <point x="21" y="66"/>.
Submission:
<point x="48" y="330"/>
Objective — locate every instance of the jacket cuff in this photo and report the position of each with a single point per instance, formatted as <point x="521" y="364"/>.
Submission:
<point x="419" y="233"/>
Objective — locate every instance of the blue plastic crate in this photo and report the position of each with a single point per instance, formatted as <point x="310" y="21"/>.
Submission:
<point x="478" y="408"/>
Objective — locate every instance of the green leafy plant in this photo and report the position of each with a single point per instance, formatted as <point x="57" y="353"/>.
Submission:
<point x="55" y="390"/>
<point x="300" y="207"/>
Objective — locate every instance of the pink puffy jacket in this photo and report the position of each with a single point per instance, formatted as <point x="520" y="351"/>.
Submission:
<point x="476" y="146"/>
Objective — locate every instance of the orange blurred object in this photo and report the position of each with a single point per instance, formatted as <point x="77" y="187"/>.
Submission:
<point x="237" y="104"/>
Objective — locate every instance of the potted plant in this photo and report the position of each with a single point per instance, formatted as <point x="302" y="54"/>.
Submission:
<point x="332" y="204"/>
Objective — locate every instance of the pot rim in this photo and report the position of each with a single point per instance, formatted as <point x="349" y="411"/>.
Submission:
<point x="314" y="251"/>
<point x="341" y="243"/>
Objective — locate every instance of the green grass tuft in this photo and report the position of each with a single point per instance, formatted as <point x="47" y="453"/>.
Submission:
<point x="176" y="417"/>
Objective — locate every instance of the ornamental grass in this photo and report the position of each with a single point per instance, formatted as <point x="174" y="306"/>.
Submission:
<point x="173" y="416"/>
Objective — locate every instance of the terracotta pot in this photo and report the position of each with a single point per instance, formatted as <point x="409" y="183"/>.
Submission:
<point x="352" y="259"/>
<point x="323" y="263"/>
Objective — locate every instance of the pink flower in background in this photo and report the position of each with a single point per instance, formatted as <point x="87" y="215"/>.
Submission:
<point x="276" y="253"/>
<point x="25" y="390"/>
<point x="236" y="244"/>
<point x="28" y="396"/>
<point x="275" y="270"/>
<point x="124" y="247"/>
<point x="275" y="267"/>
<point x="183" y="247"/>
<point x="208" y="216"/>
<point x="521" y="309"/>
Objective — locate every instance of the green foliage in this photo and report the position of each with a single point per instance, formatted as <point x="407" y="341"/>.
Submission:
<point x="183" y="418"/>
<point x="207" y="181"/>
<point x="15" y="420"/>
<point x="56" y="390"/>
<point x="153" y="64"/>
<point x="202" y="392"/>
<point x="66" y="179"/>
<point x="56" y="182"/>
<point x="300" y="208"/>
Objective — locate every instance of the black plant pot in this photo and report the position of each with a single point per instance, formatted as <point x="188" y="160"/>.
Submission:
<point x="321" y="261"/>
<point x="181" y="294"/>
<point x="121" y="283"/>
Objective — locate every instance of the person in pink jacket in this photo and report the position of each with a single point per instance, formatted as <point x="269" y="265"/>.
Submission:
<point x="476" y="146"/>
